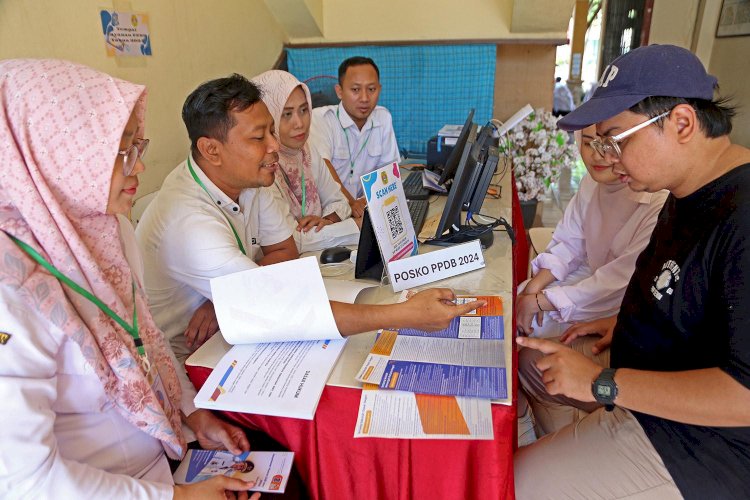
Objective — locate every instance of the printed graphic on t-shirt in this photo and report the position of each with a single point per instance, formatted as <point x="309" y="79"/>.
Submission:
<point x="666" y="280"/>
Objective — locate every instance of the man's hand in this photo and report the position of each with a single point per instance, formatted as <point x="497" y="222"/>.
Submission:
<point x="527" y="310"/>
<point x="358" y="221"/>
<point x="219" y="488"/>
<point x="603" y="327"/>
<point x="358" y="207"/>
<point x="202" y="325"/>
<point x="215" y="434"/>
<point x="433" y="309"/>
<point x="564" y="371"/>
<point x="312" y="221"/>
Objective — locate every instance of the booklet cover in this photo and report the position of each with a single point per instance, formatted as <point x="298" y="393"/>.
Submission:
<point x="465" y="359"/>
<point x="269" y="469"/>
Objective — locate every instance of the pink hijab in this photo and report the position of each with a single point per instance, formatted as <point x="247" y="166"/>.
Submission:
<point x="276" y="87"/>
<point x="60" y="130"/>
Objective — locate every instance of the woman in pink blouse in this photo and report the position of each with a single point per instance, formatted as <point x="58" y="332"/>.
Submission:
<point x="582" y="274"/>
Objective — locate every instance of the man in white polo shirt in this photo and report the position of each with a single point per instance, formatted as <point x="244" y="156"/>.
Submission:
<point x="356" y="136"/>
<point x="214" y="216"/>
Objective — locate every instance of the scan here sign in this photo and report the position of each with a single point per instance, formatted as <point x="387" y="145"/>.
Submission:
<point x="433" y="266"/>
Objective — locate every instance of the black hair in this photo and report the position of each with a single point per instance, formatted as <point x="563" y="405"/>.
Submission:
<point x="558" y="79"/>
<point x="356" y="61"/>
<point x="714" y="117"/>
<point x="207" y="111"/>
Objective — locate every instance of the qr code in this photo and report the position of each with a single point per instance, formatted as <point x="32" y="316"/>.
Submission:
<point x="395" y="224"/>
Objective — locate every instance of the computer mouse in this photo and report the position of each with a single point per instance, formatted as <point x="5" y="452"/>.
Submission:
<point x="334" y="254"/>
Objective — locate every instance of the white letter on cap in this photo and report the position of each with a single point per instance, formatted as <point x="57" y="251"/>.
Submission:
<point x="611" y="74"/>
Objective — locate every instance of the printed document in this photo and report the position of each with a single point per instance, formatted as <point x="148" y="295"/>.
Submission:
<point x="276" y="303"/>
<point x="283" y="379"/>
<point x="268" y="469"/>
<point x="465" y="359"/>
<point x="405" y="415"/>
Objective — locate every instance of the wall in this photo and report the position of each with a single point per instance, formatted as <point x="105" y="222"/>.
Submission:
<point x="728" y="64"/>
<point x="388" y="20"/>
<point x="674" y="21"/>
<point x="192" y="41"/>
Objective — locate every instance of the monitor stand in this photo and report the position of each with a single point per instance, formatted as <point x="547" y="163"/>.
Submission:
<point x="464" y="235"/>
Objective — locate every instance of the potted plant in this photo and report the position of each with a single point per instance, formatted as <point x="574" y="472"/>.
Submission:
<point x="538" y="150"/>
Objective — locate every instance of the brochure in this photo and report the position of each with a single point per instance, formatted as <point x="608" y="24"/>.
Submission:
<point x="268" y="469"/>
<point x="405" y="415"/>
<point x="465" y="359"/>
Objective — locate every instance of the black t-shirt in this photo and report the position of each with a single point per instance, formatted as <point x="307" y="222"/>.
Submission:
<point x="688" y="307"/>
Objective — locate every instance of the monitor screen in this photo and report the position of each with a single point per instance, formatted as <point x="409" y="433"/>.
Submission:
<point x="451" y="217"/>
<point x="449" y="170"/>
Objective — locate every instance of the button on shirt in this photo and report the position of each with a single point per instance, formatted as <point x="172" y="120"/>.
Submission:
<point x="329" y="134"/>
<point x="186" y="240"/>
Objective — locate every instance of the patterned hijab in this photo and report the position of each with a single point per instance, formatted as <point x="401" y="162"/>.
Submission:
<point x="276" y="87"/>
<point x="60" y="130"/>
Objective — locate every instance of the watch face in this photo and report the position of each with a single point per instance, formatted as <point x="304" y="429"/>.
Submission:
<point x="604" y="391"/>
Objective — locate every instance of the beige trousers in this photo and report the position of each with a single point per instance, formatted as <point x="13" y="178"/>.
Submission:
<point x="589" y="453"/>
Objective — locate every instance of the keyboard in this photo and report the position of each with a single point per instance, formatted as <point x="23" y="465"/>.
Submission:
<point x="413" y="187"/>
<point x="418" y="213"/>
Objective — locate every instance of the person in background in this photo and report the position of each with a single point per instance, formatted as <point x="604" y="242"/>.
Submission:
<point x="318" y="209"/>
<point x="92" y="400"/>
<point x="215" y="215"/>
<point x="670" y="418"/>
<point x="562" y="103"/>
<point x="583" y="273"/>
<point x="356" y="136"/>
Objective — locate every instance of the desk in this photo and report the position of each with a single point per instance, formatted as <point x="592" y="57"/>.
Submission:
<point x="335" y="466"/>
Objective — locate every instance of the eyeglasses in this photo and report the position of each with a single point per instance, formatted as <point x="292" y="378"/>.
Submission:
<point x="611" y="144"/>
<point x="131" y="155"/>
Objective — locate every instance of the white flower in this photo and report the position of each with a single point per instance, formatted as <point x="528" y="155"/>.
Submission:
<point x="539" y="151"/>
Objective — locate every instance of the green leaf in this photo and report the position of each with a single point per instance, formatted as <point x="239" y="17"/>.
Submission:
<point x="560" y="138"/>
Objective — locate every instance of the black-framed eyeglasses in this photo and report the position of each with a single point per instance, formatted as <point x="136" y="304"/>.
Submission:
<point x="131" y="155"/>
<point x="612" y="144"/>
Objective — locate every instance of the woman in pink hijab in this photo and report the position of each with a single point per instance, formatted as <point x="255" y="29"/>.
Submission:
<point x="91" y="398"/>
<point x="319" y="210"/>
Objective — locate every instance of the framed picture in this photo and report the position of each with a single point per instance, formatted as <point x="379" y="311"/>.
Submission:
<point x="734" y="19"/>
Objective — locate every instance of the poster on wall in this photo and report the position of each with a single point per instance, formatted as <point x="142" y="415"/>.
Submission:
<point x="734" y="19"/>
<point x="125" y="33"/>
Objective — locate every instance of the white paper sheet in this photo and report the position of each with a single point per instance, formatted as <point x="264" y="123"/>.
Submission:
<point x="396" y="414"/>
<point x="277" y="303"/>
<point x="284" y="379"/>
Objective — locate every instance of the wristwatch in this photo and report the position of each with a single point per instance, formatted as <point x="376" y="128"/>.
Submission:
<point x="604" y="388"/>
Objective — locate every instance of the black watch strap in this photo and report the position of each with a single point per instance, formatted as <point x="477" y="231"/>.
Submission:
<point x="604" y="388"/>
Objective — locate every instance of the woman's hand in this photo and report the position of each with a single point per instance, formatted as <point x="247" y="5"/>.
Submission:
<point x="219" y="488"/>
<point x="527" y="310"/>
<point x="312" y="221"/>
<point x="216" y="434"/>
<point x="603" y="327"/>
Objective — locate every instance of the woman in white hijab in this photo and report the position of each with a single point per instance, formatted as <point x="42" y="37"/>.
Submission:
<point x="317" y="207"/>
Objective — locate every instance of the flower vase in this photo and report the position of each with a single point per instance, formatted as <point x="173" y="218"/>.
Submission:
<point x="528" y="211"/>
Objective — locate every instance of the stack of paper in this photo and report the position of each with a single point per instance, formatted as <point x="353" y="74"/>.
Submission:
<point x="436" y="384"/>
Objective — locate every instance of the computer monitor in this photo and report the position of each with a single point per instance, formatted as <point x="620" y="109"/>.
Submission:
<point x="488" y="163"/>
<point x="450" y="221"/>
<point x="479" y="150"/>
<point x="451" y="164"/>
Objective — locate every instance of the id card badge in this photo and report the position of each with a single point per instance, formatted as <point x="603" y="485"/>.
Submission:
<point x="157" y="386"/>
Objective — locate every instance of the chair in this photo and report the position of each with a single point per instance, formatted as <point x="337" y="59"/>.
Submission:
<point x="322" y="90"/>
<point x="139" y="206"/>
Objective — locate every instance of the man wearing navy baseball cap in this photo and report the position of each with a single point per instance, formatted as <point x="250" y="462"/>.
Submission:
<point x="671" y="417"/>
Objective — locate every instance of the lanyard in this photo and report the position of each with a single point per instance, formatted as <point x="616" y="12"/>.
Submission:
<point x="348" y="146"/>
<point x="131" y="329"/>
<point x="200" y="183"/>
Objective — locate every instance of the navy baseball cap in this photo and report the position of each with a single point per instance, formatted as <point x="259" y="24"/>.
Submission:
<point x="654" y="70"/>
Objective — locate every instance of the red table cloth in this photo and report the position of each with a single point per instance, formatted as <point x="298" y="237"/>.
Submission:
<point x="334" y="465"/>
